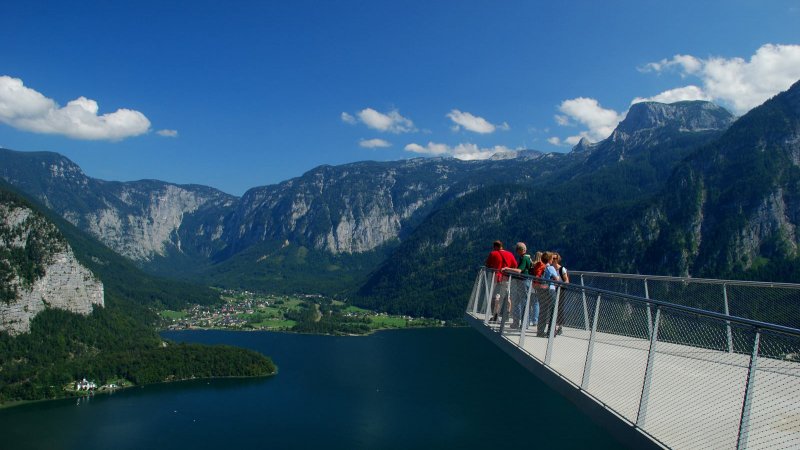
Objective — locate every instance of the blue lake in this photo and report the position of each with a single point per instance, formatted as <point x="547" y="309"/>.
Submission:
<point x="424" y="388"/>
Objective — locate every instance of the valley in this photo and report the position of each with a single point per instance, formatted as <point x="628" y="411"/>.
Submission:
<point x="244" y="310"/>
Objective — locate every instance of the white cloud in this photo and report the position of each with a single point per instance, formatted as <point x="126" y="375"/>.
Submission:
<point x="588" y="112"/>
<point x="374" y="143"/>
<point x="167" y="133"/>
<point x="735" y="82"/>
<point x="473" y="123"/>
<point x="464" y="151"/>
<point x="555" y="141"/>
<point x="26" y="109"/>
<point x="431" y="149"/>
<point x="391" y="122"/>
<point x="563" y="120"/>
<point x="690" y="92"/>
<point x="347" y="118"/>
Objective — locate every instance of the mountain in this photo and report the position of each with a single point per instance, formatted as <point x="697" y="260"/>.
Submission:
<point x="142" y="220"/>
<point x="72" y="308"/>
<point x="338" y="221"/>
<point x="406" y="235"/>
<point x="38" y="269"/>
<point x="732" y="208"/>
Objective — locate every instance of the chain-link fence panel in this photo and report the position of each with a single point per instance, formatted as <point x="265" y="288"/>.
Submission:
<point x="765" y="303"/>
<point x="697" y="387"/>
<point x="776" y="303"/>
<point x="772" y="415"/>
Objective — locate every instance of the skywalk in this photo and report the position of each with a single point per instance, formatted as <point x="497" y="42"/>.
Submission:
<point x="655" y="373"/>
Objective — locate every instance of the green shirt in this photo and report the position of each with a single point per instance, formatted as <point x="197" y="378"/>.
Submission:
<point x="526" y="264"/>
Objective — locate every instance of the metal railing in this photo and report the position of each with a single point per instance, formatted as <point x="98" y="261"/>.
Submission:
<point x="777" y="303"/>
<point x="686" y="377"/>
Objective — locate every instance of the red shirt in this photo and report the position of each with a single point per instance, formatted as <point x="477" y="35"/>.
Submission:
<point x="500" y="259"/>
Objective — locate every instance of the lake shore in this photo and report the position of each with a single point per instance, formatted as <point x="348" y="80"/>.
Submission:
<point x="16" y="403"/>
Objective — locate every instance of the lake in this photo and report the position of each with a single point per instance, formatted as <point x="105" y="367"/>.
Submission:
<point x="420" y="388"/>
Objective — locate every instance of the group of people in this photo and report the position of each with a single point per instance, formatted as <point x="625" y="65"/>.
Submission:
<point x="545" y="265"/>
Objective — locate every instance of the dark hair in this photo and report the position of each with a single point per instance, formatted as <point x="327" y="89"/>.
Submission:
<point x="497" y="245"/>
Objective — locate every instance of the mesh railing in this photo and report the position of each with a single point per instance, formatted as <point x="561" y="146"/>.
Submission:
<point x="686" y="377"/>
<point x="777" y="303"/>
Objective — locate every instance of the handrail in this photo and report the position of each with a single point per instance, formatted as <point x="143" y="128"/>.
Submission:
<point x="634" y="276"/>
<point x="688" y="309"/>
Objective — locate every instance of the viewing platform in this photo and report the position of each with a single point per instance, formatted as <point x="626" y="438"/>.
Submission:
<point x="640" y="356"/>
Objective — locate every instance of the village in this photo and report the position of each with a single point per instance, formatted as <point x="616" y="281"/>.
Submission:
<point x="245" y="310"/>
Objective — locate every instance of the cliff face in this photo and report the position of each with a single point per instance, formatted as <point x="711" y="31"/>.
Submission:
<point x="38" y="269"/>
<point x="141" y="220"/>
<point x="348" y="209"/>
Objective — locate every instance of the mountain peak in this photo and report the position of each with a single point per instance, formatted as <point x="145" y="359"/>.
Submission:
<point x="584" y="145"/>
<point x="684" y="116"/>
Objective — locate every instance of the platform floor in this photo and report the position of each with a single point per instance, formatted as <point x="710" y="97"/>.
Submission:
<point x="696" y="395"/>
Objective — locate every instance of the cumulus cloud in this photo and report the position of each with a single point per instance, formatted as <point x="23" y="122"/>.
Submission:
<point x="374" y="143"/>
<point x="676" y="95"/>
<point x="735" y="82"/>
<point x="26" y="109"/>
<point x="588" y="113"/>
<point x="473" y="123"/>
<point x="464" y="151"/>
<point x="390" y="122"/>
<point x="167" y="133"/>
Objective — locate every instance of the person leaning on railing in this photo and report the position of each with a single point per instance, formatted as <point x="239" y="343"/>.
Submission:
<point x="524" y="267"/>
<point x="500" y="259"/>
<point x="537" y="271"/>
<point x="548" y="297"/>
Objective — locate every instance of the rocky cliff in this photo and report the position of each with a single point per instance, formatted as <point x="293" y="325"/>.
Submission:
<point x="142" y="220"/>
<point x="38" y="269"/>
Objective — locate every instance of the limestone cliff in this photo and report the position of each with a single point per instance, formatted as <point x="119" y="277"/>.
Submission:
<point x="38" y="269"/>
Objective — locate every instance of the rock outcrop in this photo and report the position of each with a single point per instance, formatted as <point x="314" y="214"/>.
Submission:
<point x="39" y="270"/>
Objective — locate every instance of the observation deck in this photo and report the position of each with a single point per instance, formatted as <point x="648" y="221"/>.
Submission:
<point x="659" y="361"/>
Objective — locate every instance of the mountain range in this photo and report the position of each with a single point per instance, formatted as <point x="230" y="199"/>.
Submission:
<point x="682" y="188"/>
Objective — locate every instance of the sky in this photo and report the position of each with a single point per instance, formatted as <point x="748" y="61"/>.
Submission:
<point x="241" y="94"/>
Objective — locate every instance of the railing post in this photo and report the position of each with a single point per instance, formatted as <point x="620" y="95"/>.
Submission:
<point x="727" y="313"/>
<point x="587" y="367"/>
<point x="744" y="422"/>
<point x="524" y="325"/>
<point x="552" y="331"/>
<point x="490" y="289"/>
<point x="648" y="373"/>
<point x="477" y="292"/>
<point x="649" y="313"/>
<point x="503" y="309"/>
<point x="585" y="308"/>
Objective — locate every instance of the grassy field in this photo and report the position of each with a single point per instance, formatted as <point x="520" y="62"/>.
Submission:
<point x="275" y="324"/>
<point x="169" y="314"/>
<point x="388" y="322"/>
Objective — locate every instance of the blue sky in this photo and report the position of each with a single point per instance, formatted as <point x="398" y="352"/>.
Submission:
<point x="241" y="94"/>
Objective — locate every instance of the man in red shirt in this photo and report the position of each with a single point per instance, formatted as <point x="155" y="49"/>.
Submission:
<point x="499" y="259"/>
